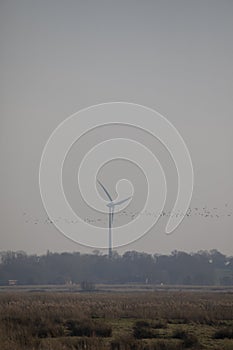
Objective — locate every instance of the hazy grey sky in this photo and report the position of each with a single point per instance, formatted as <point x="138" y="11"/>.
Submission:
<point x="60" y="56"/>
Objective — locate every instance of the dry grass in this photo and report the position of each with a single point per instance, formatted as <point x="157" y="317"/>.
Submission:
<point x="159" y="320"/>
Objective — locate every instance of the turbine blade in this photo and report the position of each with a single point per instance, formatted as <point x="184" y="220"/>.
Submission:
<point x="112" y="214"/>
<point x="106" y="192"/>
<point x="122" y="201"/>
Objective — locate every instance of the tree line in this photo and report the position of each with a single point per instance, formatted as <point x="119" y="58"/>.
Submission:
<point x="201" y="268"/>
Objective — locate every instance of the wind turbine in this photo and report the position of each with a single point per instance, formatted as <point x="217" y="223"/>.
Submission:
<point x="111" y="205"/>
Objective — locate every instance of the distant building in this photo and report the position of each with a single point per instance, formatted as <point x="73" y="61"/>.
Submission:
<point x="12" y="282"/>
<point x="68" y="282"/>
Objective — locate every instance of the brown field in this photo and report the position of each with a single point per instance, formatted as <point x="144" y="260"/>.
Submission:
<point x="160" y="320"/>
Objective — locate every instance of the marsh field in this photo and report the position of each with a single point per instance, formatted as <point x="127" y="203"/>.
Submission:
<point x="160" y="320"/>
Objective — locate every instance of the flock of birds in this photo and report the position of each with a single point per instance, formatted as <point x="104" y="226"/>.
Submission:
<point x="191" y="212"/>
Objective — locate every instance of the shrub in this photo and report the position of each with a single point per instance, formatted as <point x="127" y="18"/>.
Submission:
<point x="87" y="328"/>
<point x="79" y="328"/>
<point x="47" y="329"/>
<point x="188" y="339"/>
<point x="142" y="330"/>
<point x="222" y="333"/>
<point x="166" y="345"/>
<point x="179" y="334"/>
<point x="159" y="324"/>
<point x="103" y="330"/>
<point x="124" y="342"/>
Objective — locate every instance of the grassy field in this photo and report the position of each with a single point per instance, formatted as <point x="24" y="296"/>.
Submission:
<point x="160" y="320"/>
<point x="126" y="287"/>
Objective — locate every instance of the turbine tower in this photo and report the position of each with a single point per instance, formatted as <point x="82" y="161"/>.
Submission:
<point x="111" y="205"/>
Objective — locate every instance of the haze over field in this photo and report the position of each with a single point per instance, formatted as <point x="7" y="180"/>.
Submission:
<point x="173" y="56"/>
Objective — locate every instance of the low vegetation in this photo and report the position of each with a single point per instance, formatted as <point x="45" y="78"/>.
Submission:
<point x="115" y="321"/>
<point x="224" y="333"/>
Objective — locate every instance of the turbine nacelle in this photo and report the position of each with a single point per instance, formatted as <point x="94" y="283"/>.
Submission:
<point x="113" y="204"/>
